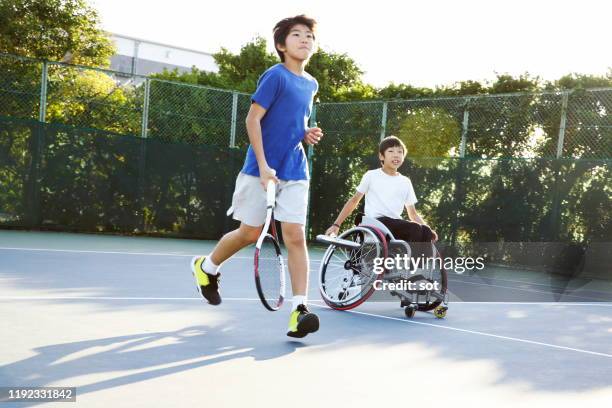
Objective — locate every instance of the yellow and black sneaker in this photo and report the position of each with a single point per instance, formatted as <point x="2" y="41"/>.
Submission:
<point x="302" y="322"/>
<point x="207" y="284"/>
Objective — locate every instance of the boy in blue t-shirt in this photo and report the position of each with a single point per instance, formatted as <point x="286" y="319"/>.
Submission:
<point x="276" y="125"/>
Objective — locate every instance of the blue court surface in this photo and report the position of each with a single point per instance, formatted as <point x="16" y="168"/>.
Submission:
<point x="119" y="319"/>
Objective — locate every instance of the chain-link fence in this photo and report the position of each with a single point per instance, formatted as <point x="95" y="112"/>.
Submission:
<point x="156" y="146"/>
<point x="574" y="124"/>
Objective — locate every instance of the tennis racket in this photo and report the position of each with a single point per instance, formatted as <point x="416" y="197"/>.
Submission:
<point x="268" y="262"/>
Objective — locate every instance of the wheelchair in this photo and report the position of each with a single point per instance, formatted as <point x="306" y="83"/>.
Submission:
<point x="349" y="273"/>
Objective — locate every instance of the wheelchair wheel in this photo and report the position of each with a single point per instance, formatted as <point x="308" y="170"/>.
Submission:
<point x="435" y="275"/>
<point x="346" y="276"/>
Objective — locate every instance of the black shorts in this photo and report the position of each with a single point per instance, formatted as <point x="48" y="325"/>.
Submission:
<point x="417" y="235"/>
<point x="407" y="230"/>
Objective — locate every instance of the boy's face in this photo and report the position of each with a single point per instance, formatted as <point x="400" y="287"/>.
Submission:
<point x="299" y="44"/>
<point x="393" y="157"/>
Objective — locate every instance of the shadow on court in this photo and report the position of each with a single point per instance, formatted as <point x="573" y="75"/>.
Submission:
<point x="128" y="341"/>
<point x="410" y="348"/>
<point x="189" y="348"/>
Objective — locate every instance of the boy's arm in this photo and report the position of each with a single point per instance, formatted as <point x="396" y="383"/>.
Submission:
<point x="253" y="125"/>
<point x="348" y="208"/>
<point x="413" y="215"/>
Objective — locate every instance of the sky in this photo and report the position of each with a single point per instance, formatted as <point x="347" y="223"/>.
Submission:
<point x="422" y="43"/>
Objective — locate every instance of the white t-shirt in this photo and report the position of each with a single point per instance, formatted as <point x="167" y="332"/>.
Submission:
<point x="385" y="195"/>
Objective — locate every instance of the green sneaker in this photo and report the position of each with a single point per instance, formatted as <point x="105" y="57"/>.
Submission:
<point x="302" y="322"/>
<point x="207" y="284"/>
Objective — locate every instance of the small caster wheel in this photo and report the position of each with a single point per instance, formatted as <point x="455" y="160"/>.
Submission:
<point x="410" y="311"/>
<point x="440" y="312"/>
<point x="342" y="295"/>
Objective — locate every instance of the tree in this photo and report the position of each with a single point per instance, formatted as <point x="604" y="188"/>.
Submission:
<point x="338" y="75"/>
<point x="55" y="30"/>
<point x="430" y="132"/>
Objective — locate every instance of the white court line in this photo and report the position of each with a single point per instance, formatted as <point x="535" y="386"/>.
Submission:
<point x="479" y="333"/>
<point x="248" y="257"/>
<point x="498" y="279"/>
<point x="79" y="251"/>
<point x="524" y="289"/>
<point x="237" y="257"/>
<point x="482" y="334"/>
<point x="538" y="343"/>
<point x="82" y="251"/>
<point x="604" y="304"/>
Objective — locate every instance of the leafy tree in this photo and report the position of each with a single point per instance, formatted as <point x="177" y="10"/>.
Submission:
<point x="55" y="30"/>
<point x="337" y="74"/>
<point x="92" y="99"/>
<point x="430" y="132"/>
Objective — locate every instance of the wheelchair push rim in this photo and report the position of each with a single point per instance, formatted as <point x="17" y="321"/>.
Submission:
<point x="346" y="277"/>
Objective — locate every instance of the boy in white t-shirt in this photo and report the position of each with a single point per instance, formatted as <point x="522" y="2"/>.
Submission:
<point x="387" y="192"/>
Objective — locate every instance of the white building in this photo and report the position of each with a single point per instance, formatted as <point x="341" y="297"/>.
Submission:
<point x="143" y="57"/>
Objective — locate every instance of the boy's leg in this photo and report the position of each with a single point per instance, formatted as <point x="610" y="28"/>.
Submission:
<point x="408" y="231"/>
<point x="205" y="268"/>
<point x="249" y="207"/>
<point x="233" y="242"/>
<point x="418" y="236"/>
<point x="297" y="257"/>
<point x="301" y="321"/>
<point x="291" y="208"/>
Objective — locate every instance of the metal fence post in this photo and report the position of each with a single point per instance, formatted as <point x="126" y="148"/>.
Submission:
<point x="313" y="123"/>
<point x="42" y="111"/>
<point x="234" y="117"/>
<point x="142" y="159"/>
<point x="562" y="124"/>
<point x="464" y="128"/>
<point x="145" y="109"/>
<point x="383" y="122"/>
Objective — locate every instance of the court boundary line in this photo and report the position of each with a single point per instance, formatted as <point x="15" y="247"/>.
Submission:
<point x="5" y="298"/>
<point x="497" y="336"/>
<point x="475" y="332"/>
<point x="91" y="251"/>
<point x="531" y="290"/>
<point x="490" y="285"/>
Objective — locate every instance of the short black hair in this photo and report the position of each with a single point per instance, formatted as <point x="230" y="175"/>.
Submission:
<point x="391" y="141"/>
<point x="282" y="28"/>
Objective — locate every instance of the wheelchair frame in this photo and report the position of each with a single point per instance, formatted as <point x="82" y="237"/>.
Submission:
<point x="358" y="244"/>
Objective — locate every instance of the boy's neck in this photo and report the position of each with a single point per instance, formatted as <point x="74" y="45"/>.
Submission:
<point x="295" y="66"/>
<point x="389" y="170"/>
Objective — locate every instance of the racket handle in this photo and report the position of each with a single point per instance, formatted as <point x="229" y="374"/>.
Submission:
<point x="271" y="193"/>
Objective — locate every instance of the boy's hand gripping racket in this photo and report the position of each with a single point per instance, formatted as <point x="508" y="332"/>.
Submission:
<point x="268" y="263"/>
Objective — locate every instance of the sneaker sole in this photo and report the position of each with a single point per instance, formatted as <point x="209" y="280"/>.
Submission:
<point x="309" y="324"/>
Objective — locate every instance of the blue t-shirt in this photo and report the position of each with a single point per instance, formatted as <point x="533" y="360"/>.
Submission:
<point x="287" y="98"/>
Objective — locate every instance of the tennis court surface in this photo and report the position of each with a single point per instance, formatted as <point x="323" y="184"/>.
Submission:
<point x="119" y="319"/>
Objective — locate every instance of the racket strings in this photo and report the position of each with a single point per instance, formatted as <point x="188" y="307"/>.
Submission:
<point x="270" y="270"/>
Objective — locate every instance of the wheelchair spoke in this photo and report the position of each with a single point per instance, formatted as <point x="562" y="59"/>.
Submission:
<point x="347" y="274"/>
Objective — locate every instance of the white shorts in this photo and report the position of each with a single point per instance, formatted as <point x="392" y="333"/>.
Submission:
<point x="249" y="201"/>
